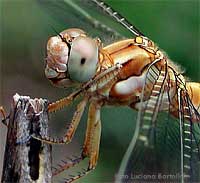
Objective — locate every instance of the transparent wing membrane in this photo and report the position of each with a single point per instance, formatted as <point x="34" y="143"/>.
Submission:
<point x="154" y="86"/>
<point x="166" y="148"/>
<point x="80" y="14"/>
<point x="116" y="16"/>
<point x="189" y="135"/>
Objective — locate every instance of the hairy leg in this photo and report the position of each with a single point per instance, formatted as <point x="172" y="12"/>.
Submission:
<point x="71" y="128"/>
<point x="63" y="102"/>
<point x="92" y="140"/>
<point x="93" y="135"/>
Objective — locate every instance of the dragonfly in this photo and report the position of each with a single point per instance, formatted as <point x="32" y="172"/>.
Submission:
<point x="132" y="72"/>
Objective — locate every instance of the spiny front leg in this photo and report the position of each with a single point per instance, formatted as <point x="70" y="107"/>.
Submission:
<point x="92" y="140"/>
<point x="63" y="102"/>
<point x="71" y="128"/>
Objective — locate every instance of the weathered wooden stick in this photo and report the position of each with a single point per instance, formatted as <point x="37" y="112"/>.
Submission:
<point x="26" y="159"/>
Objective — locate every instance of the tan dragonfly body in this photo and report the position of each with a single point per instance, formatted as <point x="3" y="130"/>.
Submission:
<point x="118" y="79"/>
<point x="123" y="86"/>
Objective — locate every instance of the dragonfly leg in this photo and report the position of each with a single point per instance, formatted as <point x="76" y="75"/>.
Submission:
<point x="3" y="113"/>
<point x="92" y="140"/>
<point x="71" y="128"/>
<point x="63" y="102"/>
<point x="93" y="134"/>
<point x="67" y="164"/>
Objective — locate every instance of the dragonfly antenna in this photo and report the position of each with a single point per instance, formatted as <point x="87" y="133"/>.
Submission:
<point x="119" y="18"/>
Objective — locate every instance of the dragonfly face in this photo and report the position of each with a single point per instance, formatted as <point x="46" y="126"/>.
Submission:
<point x="72" y="58"/>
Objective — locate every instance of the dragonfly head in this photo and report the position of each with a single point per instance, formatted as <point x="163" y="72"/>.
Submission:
<point x="72" y="58"/>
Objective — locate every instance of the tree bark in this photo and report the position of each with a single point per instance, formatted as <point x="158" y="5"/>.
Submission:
<point x="26" y="159"/>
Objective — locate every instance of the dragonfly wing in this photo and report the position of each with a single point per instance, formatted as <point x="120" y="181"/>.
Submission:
<point x="80" y="14"/>
<point x="145" y="126"/>
<point x="163" y="147"/>
<point x="189" y="136"/>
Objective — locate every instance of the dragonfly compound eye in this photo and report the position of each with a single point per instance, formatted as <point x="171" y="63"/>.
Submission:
<point x="57" y="54"/>
<point x="83" y="59"/>
<point x="56" y="61"/>
<point x="71" y="58"/>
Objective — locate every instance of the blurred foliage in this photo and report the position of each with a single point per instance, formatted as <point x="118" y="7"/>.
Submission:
<point x="25" y="28"/>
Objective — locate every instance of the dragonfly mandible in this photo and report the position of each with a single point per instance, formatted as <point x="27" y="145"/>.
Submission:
<point x="100" y="88"/>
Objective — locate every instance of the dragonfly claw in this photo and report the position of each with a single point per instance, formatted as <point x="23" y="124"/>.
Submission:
<point x="50" y="140"/>
<point x="5" y="118"/>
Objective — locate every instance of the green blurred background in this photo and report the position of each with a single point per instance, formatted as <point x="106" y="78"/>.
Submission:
<point x="27" y="24"/>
